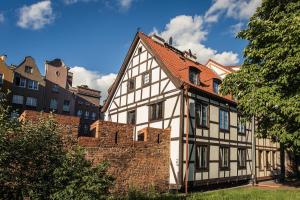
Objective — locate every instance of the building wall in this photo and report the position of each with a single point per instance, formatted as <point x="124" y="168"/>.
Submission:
<point x="161" y="89"/>
<point x="213" y="137"/>
<point x="7" y="77"/>
<point x="265" y="145"/>
<point x="26" y="92"/>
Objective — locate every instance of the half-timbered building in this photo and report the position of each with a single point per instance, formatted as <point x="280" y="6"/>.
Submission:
<point x="161" y="87"/>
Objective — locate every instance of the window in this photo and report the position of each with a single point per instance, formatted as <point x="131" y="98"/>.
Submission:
<point x="224" y="120"/>
<point x="33" y="85"/>
<point x="1" y="79"/>
<point x="241" y="126"/>
<point x="131" y="117"/>
<point x="202" y="157"/>
<point x="268" y="163"/>
<point x="131" y="84"/>
<point x="66" y="106"/>
<point x="156" y="111"/>
<point x="146" y="78"/>
<point x="93" y="116"/>
<point x="86" y="115"/>
<point x="140" y="49"/>
<point x="28" y="69"/>
<point x="86" y="129"/>
<point x="141" y="136"/>
<point x="201" y="115"/>
<point x="20" y="82"/>
<point x="30" y="101"/>
<point x="260" y="157"/>
<point x="274" y="159"/>
<point x="194" y="76"/>
<point x="17" y="99"/>
<point x="53" y="104"/>
<point x="216" y="85"/>
<point x="224" y="157"/>
<point x="79" y="113"/>
<point x="55" y="88"/>
<point x="241" y="158"/>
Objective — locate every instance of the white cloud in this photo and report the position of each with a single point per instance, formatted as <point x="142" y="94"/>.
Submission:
<point x="125" y="4"/>
<point x="93" y="79"/>
<point x="69" y="2"/>
<point x="36" y="16"/>
<point x="2" y="18"/>
<point x="188" y="33"/>
<point x="237" y="9"/>
<point x="234" y="29"/>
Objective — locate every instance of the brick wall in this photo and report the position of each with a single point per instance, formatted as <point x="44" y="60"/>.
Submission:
<point x="68" y="124"/>
<point x="141" y="164"/>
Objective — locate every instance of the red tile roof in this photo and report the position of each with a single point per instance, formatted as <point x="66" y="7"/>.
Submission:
<point x="179" y="66"/>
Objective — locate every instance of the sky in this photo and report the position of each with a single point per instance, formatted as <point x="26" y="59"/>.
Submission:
<point x="92" y="37"/>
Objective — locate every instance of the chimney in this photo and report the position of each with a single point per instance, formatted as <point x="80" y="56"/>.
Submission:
<point x="3" y="58"/>
<point x="188" y="54"/>
<point x="171" y="41"/>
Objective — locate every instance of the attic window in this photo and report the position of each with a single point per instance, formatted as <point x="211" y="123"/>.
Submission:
<point x="194" y="76"/>
<point x="140" y="49"/>
<point x="216" y="85"/>
<point x="131" y="84"/>
<point x="28" y="69"/>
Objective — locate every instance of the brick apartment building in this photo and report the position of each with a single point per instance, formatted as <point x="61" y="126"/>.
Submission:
<point x="30" y="90"/>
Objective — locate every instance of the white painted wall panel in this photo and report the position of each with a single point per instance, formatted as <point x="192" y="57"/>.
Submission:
<point x="142" y="114"/>
<point x="154" y="89"/>
<point x="146" y="92"/>
<point x="155" y="74"/>
<point x="143" y="56"/>
<point x="138" y="82"/>
<point x="130" y="98"/>
<point x="123" y="117"/>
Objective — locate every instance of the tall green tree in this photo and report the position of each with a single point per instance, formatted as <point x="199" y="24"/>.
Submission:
<point x="35" y="163"/>
<point x="268" y="84"/>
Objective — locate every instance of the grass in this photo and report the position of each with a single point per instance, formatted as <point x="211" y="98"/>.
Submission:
<point x="248" y="193"/>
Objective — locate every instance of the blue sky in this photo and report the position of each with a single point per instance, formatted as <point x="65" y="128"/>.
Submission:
<point x="93" y="36"/>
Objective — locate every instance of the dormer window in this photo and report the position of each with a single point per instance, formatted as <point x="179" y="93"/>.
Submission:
<point x="194" y="76"/>
<point x="28" y="69"/>
<point x="216" y="85"/>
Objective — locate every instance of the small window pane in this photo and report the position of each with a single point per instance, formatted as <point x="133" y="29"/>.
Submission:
<point x="17" y="99"/>
<point x="156" y="111"/>
<point x="146" y="78"/>
<point x="216" y="87"/>
<point x="131" y="117"/>
<point x="30" y="101"/>
<point x="53" y="104"/>
<point x="224" y="157"/>
<point x="131" y="84"/>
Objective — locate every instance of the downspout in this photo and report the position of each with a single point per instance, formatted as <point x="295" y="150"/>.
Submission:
<point x="186" y="88"/>
<point x="253" y="152"/>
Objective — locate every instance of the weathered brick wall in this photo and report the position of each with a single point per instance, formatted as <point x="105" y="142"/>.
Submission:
<point x="141" y="164"/>
<point x="68" y="124"/>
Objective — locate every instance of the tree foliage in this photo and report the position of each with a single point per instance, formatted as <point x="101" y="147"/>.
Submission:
<point x="35" y="163"/>
<point x="268" y="84"/>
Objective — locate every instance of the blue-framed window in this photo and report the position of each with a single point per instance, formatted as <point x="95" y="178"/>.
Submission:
<point x="216" y="85"/>
<point x="224" y="119"/>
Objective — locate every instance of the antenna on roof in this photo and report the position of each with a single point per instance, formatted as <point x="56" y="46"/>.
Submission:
<point x="138" y="29"/>
<point x="190" y="52"/>
<point x="171" y="41"/>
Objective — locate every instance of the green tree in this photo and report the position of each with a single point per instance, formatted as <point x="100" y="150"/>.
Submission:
<point x="268" y="84"/>
<point x="35" y="163"/>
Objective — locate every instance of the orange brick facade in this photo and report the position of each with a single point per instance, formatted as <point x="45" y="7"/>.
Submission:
<point x="139" y="164"/>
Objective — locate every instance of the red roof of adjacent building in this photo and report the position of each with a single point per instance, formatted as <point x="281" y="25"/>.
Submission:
<point x="175" y="61"/>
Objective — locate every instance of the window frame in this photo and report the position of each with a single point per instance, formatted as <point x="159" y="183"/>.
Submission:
<point x="18" y="103"/>
<point x="143" y="78"/>
<point x="197" y="158"/>
<point x="34" y="83"/>
<point x="129" y="89"/>
<point x="239" y="123"/>
<point x="242" y="165"/>
<point x="54" y="99"/>
<point x="268" y="161"/>
<point x="216" y="82"/>
<point x="223" y="129"/>
<point x="2" y="78"/>
<point x="86" y="114"/>
<point x="200" y="123"/>
<point x="197" y="75"/>
<point x="128" y="120"/>
<point x="31" y="105"/>
<point x="20" y="78"/>
<point x="221" y="163"/>
<point x="260" y="157"/>
<point x="28" y="67"/>
<point x="150" y="111"/>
